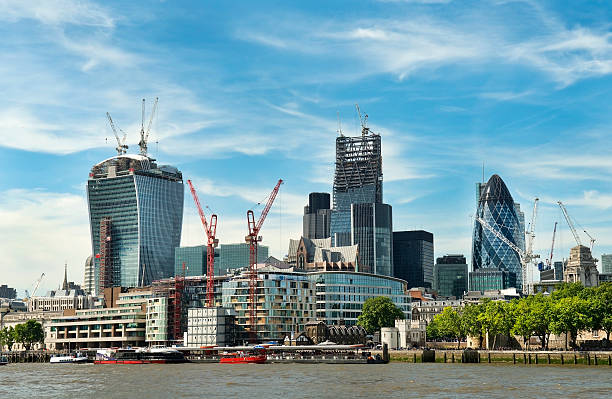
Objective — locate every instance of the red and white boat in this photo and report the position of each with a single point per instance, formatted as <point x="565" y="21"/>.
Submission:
<point x="256" y="355"/>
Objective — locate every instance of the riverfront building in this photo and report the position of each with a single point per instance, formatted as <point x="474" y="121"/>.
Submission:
<point x="136" y="214"/>
<point x="340" y="295"/>
<point x="413" y="257"/>
<point x="451" y="276"/>
<point x="318" y="255"/>
<point x="236" y="256"/>
<point x="317" y="215"/>
<point x="497" y="208"/>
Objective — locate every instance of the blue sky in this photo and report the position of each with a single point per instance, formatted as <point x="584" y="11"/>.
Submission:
<point x="249" y="94"/>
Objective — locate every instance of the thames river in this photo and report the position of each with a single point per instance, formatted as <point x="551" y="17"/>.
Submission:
<point x="395" y="380"/>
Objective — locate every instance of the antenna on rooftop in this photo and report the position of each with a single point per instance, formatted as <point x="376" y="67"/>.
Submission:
<point x="339" y="131"/>
<point x="363" y="120"/>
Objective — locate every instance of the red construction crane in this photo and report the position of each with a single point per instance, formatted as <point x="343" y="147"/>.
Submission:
<point x="212" y="242"/>
<point x="252" y="239"/>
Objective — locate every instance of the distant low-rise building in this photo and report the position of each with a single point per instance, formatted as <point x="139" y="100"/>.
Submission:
<point x="451" y="276"/>
<point x="319" y="255"/>
<point x="425" y="311"/>
<point x="7" y="292"/>
<point x="411" y="333"/>
<point x="492" y="278"/>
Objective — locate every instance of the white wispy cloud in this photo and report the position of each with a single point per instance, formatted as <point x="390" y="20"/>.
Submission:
<point x="57" y="12"/>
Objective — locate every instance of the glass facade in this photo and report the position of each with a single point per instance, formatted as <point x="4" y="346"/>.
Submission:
<point x="235" y="256"/>
<point x="372" y="231"/>
<point x="145" y="207"/>
<point x="497" y="208"/>
<point x="487" y="279"/>
<point x="451" y="276"/>
<point x="340" y="295"/>
<point x="413" y="257"/>
<point x="606" y="263"/>
<point x="194" y="259"/>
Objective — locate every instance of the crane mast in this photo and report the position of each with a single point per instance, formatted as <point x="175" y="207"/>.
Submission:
<point x="211" y="243"/>
<point x="121" y="146"/>
<point x="144" y="135"/>
<point x="252" y="239"/>
<point x="531" y="233"/>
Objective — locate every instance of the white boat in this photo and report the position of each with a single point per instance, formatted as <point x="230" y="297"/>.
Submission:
<point x="73" y="358"/>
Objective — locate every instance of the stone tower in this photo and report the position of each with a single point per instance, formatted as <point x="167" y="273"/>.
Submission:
<point x="581" y="267"/>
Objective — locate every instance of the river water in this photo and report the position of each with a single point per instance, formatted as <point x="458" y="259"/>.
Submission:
<point x="394" y="380"/>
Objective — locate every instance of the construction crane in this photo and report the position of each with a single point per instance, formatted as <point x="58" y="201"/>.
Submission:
<point x="252" y="239"/>
<point x="524" y="257"/>
<point x="363" y="120"/>
<point x="570" y="223"/>
<point x="552" y="247"/>
<point x="121" y="146"/>
<point x="144" y="135"/>
<point x="36" y="284"/>
<point x="531" y="232"/>
<point x="212" y="242"/>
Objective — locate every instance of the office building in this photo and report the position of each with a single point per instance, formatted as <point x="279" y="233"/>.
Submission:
<point x="236" y="256"/>
<point x="496" y="207"/>
<point x="89" y="278"/>
<point x="211" y="326"/>
<point x="317" y="215"/>
<point x="606" y="263"/>
<point x="413" y="257"/>
<point x="194" y="259"/>
<point x="372" y="232"/>
<point x="7" y="292"/>
<point x="340" y="295"/>
<point x="547" y="274"/>
<point x="451" y="276"/>
<point x="136" y="214"/>
<point x="559" y="266"/>
<point x="491" y="278"/>
<point x="357" y="180"/>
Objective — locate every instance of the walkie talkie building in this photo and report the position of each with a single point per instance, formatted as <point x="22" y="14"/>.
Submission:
<point x="136" y="215"/>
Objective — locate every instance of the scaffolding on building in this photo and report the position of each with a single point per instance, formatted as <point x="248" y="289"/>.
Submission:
<point x="106" y="262"/>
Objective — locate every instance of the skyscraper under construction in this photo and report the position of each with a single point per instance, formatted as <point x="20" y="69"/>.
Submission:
<point x="357" y="181"/>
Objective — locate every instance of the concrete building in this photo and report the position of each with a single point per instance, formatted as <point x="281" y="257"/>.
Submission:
<point x="236" y="256"/>
<point x="357" y="180"/>
<point x="319" y="332"/>
<point x="340" y="295"/>
<point x="450" y="276"/>
<point x="89" y="278"/>
<point x="581" y="267"/>
<point x="136" y="214"/>
<point x="413" y="257"/>
<point x="122" y="325"/>
<point x="491" y="278"/>
<point x="559" y="266"/>
<point x="70" y="296"/>
<point x="425" y="311"/>
<point x="11" y="319"/>
<point x="390" y="336"/>
<point x="7" y="292"/>
<point x="372" y="232"/>
<point x="211" y="326"/>
<point x="317" y="216"/>
<point x="547" y="274"/>
<point x="157" y="325"/>
<point x="497" y="208"/>
<point x="411" y="333"/>
<point x="606" y="263"/>
<point x="318" y="255"/>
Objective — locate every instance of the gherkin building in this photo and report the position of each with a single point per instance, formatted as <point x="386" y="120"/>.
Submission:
<point x="497" y="208"/>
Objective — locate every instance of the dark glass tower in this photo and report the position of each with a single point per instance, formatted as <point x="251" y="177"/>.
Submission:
<point x="413" y="257"/>
<point x="317" y="214"/>
<point x="497" y="208"/>
<point x="372" y="230"/>
<point x="139" y="207"/>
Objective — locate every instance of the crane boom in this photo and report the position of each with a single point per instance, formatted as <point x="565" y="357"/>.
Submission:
<point x="121" y="146"/>
<point x="552" y="247"/>
<point x="570" y="223"/>
<point x="211" y="244"/>
<point x="37" y="284"/>
<point x="534" y="215"/>
<point x="144" y="135"/>
<point x="252" y="239"/>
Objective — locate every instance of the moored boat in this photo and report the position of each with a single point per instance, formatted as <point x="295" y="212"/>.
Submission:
<point x="256" y="355"/>
<point x="3" y="360"/>
<point x="157" y="355"/>
<point x="72" y="358"/>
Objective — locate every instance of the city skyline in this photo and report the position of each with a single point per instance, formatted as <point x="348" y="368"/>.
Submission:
<point x="251" y="96"/>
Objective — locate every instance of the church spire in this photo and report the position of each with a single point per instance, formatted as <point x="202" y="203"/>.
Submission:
<point x="65" y="284"/>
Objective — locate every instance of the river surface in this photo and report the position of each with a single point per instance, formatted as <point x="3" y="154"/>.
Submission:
<point x="394" y="380"/>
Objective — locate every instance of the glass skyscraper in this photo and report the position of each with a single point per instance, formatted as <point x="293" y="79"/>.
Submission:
<point x="606" y="263"/>
<point x="497" y="208"/>
<point x="357" y="180"/>
<point x="236" y="256"/>
<point x="136" y="215"/>
<point x="451" y="276"/>
<point x="413" y="257"/>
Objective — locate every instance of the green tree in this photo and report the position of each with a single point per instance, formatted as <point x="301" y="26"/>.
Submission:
<point x="541" y="317"/>
<point x="432" y="330"/>
<point x="566" y="290"/>
<point x="603" y="305"/>
<point x="470" y="322"/>
<point x="29" y="333"/>
<point x="449" y="324"/>
<point x="523" y="325"/>
<point x="496" y="319"/>
<point x="570" y="315"/>
<point x="379" y="312"/>
<point x="7" y="337"/>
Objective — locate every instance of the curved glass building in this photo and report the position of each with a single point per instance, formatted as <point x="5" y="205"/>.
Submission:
<point x="136" y="215"/>
<point x="498" y="209"/>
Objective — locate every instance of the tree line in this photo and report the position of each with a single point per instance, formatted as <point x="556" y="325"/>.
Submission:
<point x="27" y="334"/>
<point x="571" y="308"/>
